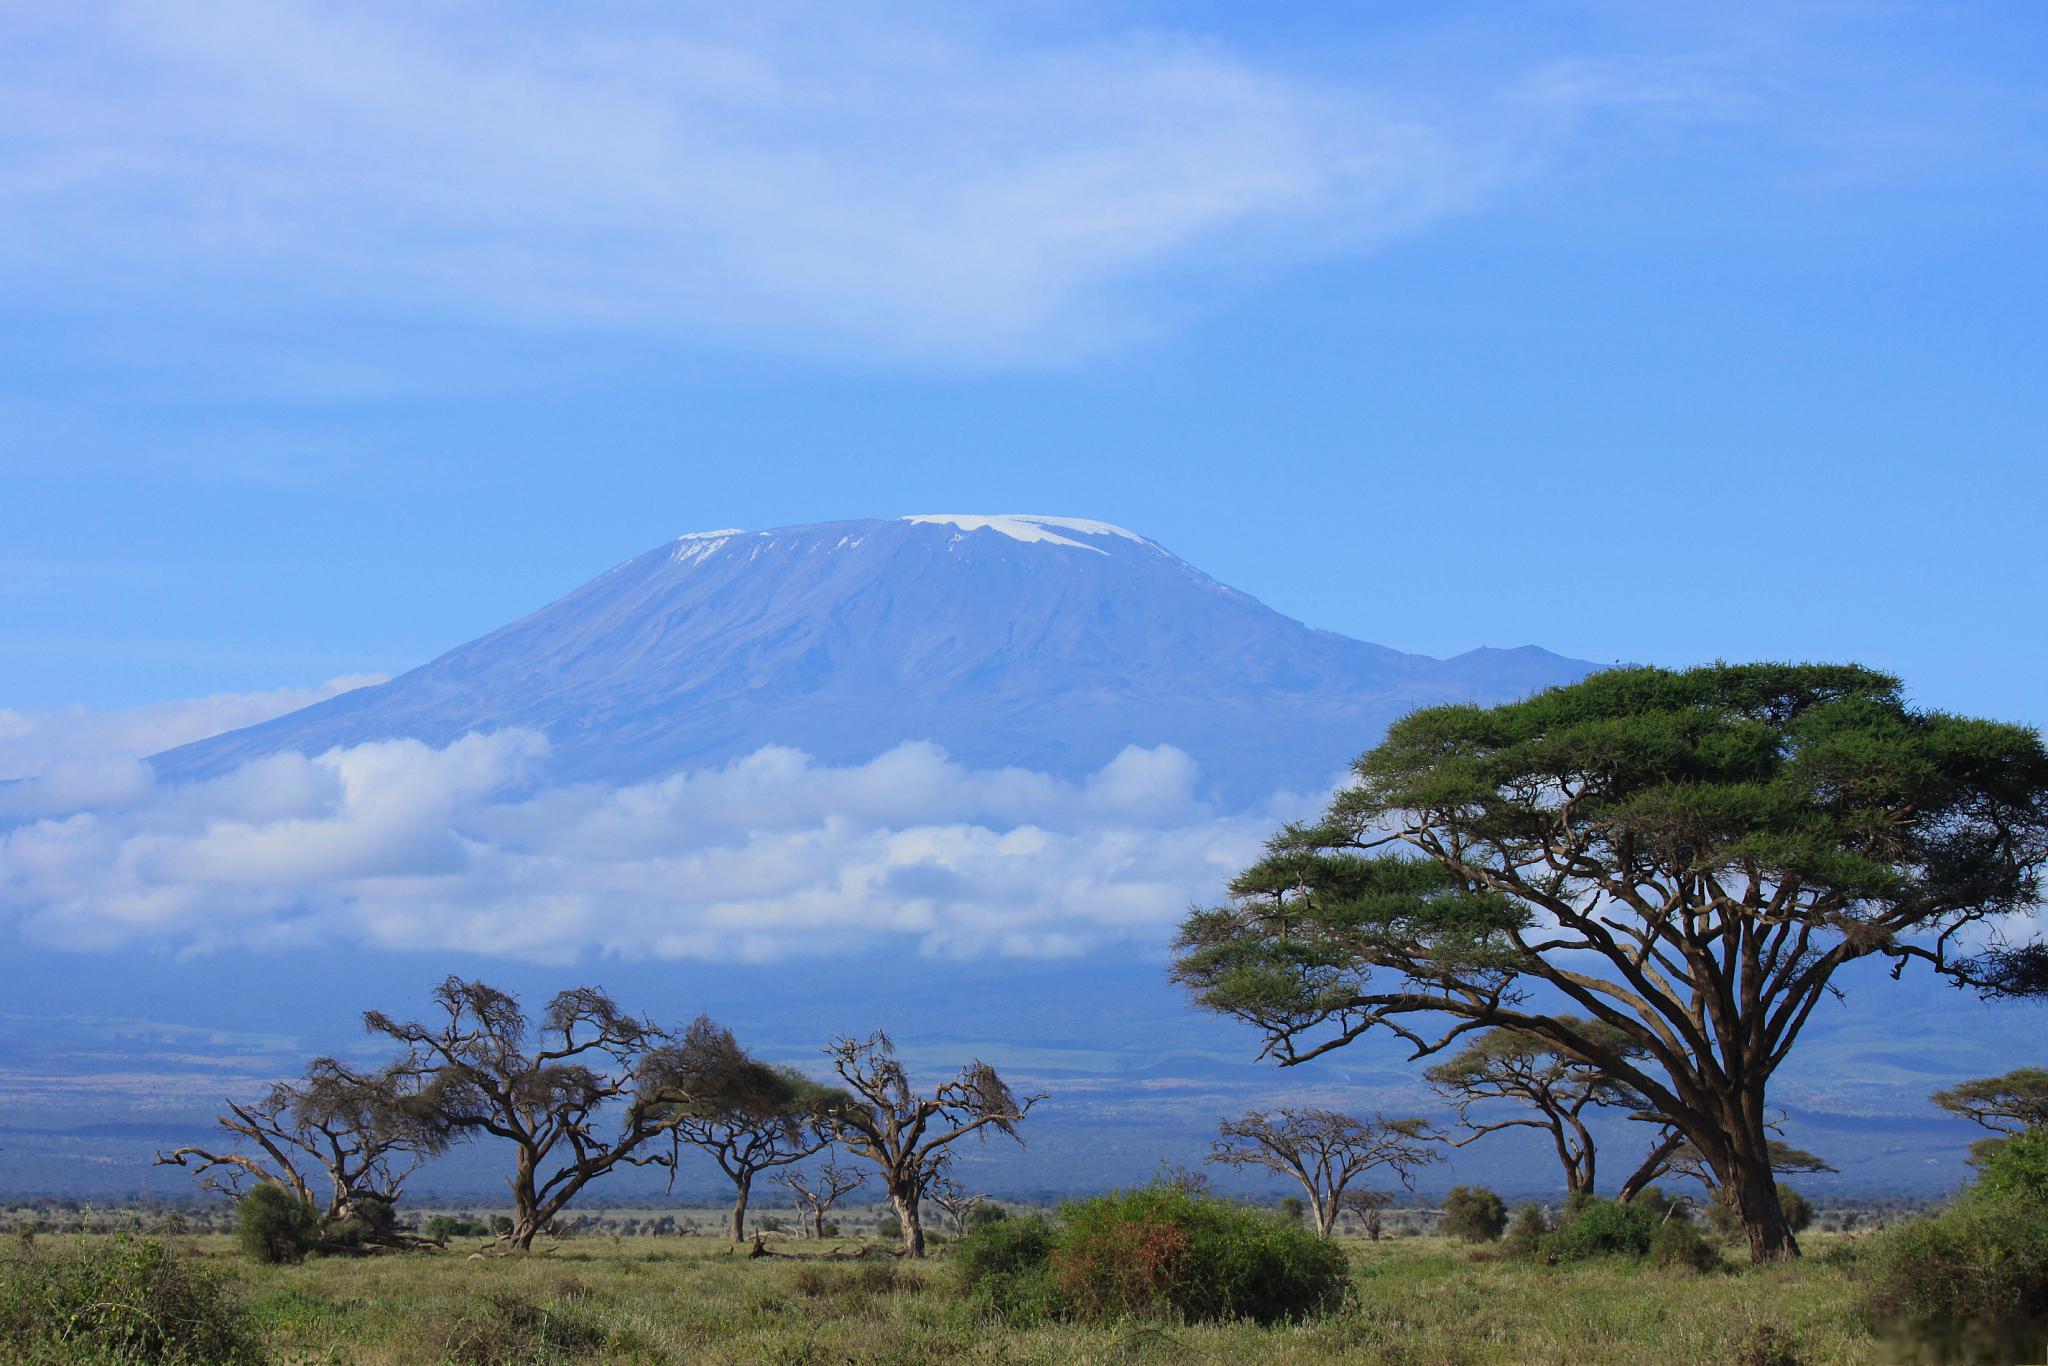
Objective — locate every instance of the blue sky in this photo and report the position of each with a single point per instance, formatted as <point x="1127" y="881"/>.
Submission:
<point x="331" y="336"/>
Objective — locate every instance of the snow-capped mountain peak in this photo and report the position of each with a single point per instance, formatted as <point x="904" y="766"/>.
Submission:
<point x="1019" y="526"/>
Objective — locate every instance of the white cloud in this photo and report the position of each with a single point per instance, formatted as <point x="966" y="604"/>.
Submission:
<point x="68" y="746"/>
<point x="398" y="845"/>
<point x="839" y="171"/>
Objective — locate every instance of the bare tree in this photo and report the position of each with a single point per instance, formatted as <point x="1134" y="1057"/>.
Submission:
<point x="903" y="1134"/>
<point x="1536" y="1074"/>
<point x="948" y="1194"/>
<point x="1323" y="1150"/>
<point x="754" y="1129"/>
<point x="816" y="1193"/>
<point x="1369" y="1207"/>
<point x="543" y="1089"/>
<point x="337" y="1140"/>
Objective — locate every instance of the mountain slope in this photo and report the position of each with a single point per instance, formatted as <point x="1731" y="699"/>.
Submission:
<point x="1049" y="643"/>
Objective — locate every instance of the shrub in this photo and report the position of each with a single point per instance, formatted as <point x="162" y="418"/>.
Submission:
<point x="1677" y="1245"/>
<point x="502" y="1327"/>
<point x="1474" y="1214"/>
<point x="1160" y="1251"/>
<point x="120" y="1300"/>
<point x="1603" y="1228"/>
<point x="274" y="1225"/>
<point x="1525" y="1233"/>
<point x="1970" y="1284"/>
<point x="1798" y="1209"/>
<point x="1293" y="1207"/>
<point x="2017" y="1170"/>
<point x="373" y="1221"/>
<point x="442" y="1227"/>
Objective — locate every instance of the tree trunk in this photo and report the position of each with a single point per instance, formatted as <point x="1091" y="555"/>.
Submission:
<point x="525" y="1205"/>
<point x="1752" y="1187"/>
<point x="1326" y="1210"/>
<point x="739" y="1212"/>
<point x="905" y="1201"/>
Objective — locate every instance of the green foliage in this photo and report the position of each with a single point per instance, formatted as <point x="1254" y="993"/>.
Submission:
<point x="1798" y="1209"/>
<point x="1293" y="1207"/>
<point x="372" y="1221"/>
<point x="1157" y="1252"/>
<point x="1525" y="1231"/>
<point x="1968" y="1285"/>
<point x="274" y="1225"/>
<point x="120" y="1300"/>
<point x="1678" y="1246"/>
<point x="985" y="1213"/>
<point x="1603" y="1228"/>
<point x="1474" y="1214"/>
<point x="1005" y="1268"/>
<point x="502" y="1328"/>
<point x="1971" y="1283"/>
<point x="2016" y="1171"/>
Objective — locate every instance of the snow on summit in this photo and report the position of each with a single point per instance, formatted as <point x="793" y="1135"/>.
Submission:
<point x="1024" y="527"/>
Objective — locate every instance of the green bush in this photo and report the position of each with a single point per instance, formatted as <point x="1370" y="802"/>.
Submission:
<point x="1526" y="1231"/>
<point x="1970" y="1284"/>
<point x="1160" y="1251"/>
<point x="119" y="1300"/>
<point x="1798" y="1209"/>
<point x="1474" y="1214"/>
<point x="1678" y="1246"/>
<point x="1603" y="1228"/>
<point x="2016" y="1170"/>
<point x="442" y="1227"/>
<point x="275" y="1226"/>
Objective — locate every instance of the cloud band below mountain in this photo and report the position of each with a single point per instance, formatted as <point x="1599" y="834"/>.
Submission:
<point x="399" y="845"/>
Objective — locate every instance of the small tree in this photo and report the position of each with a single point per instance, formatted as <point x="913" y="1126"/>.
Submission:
<point x="1681" y="1159"/>
<point x="1474" y="1214"/>
<point x="274" y="1225"/>
<point x="544" y="1088"/>
<point x="757" y="1128"/>
<point x="337" y="1141"/>
<point x="2007" y="1105"/>
<point x="816" y="1193"/>
<point x="1538" y="1075"/>
<point x="1687" y="857"/>
<point x="958" y="1201"/>
<point x="1323" y="1150"/>
<point x="1369" y="1207"/>
<point x="904" y="1134"/>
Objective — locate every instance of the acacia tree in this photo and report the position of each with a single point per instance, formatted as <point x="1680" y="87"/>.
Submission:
<point x="758" y="1128"/>
<point x="1687" y="858"/>
<point x="1530" y="1071"/>
<point x="1674" y="1155"/>
<point x="2007" y="1105"/>
<point x="816" y="1193"/>
<point x="904" y="1135"/>
<point x="1323" y="1150"/>
<point x="547" y="1089"/>
<point x="1370" y="1207"/>
<point x="337" y="1140"/>
<point x="957" y="1200"/>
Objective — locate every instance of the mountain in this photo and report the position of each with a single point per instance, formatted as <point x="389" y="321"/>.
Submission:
<point x="1045" y="642"/>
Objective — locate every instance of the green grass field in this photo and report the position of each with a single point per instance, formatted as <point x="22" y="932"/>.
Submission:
<point x="690" y="1299"/>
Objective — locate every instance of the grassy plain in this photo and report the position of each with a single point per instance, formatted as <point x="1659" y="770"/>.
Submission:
<point x="1421" y="1301"/>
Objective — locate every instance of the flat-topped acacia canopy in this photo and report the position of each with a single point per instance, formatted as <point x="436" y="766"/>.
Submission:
<point x="1687" y="857"/>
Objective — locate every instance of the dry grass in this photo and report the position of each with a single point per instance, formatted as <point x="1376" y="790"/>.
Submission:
<point x="1420" y="1301"/>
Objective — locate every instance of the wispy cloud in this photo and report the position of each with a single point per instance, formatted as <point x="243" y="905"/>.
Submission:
<point x="842" y="174"/>
<point x="397" y="845"/>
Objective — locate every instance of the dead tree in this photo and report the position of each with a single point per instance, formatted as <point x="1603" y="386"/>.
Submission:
<point x="816" y="1193"/>
<point x="949" y="1195"/>
<point x="548" y="1090"/>
<point x="339" y="1141"/>
<point x="1323" y="1150"/>
<point x="904" y="1134"/>
<point x="755" y="1129"/>
<point x="1538" y="1075"/>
